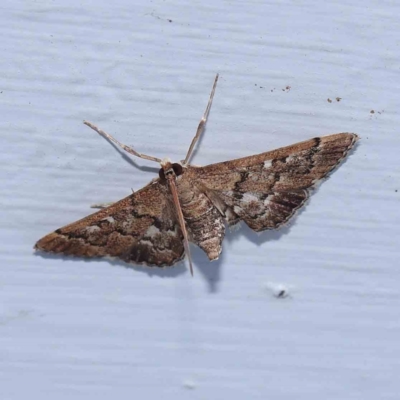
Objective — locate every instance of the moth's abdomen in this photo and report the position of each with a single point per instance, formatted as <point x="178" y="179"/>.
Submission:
<point x="208" y="231"/>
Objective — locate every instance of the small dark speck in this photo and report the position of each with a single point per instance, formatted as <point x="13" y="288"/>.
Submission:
<point x="372" y="112"/>
<point x="170" y="20"/>
<point x="329" y="101"/>
<point x="261" y="87"/>
<point x="338" y="98"/>
<point x="396" y="190"/>
<point x="282" y="294"/>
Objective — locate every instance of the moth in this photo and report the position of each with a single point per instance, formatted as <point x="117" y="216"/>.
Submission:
<point x="186" y="203"/>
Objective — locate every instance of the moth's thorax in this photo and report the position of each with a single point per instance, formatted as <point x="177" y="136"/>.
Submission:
<point x="169" y="169"/>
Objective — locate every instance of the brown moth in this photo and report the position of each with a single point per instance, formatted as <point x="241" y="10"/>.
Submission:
<point x="154" y="225"/>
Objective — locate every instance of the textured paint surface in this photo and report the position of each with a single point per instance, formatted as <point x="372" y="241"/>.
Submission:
<point x="91" y="330"/>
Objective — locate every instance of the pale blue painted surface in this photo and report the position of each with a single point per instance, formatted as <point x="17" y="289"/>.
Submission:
<point x="91" y="330"/>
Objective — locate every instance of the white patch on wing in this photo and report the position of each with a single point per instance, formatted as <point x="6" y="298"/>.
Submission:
<point x="249" y="197"/>
<point x="111" y="220"/>
<point x="237" y="210"/>
<point x="268" y="164"/>
<point x="266" y="202"/>
<point x="290" y="158"/>
<point x="152" y="231"/>
<point x="126" y="224"/>
<point x="172" y="233"/>
<point x="91" y="229"/>
<point x="146" y="242"/>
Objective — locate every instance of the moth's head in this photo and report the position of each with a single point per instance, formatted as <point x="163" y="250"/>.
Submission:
<point x="169" y="168"/>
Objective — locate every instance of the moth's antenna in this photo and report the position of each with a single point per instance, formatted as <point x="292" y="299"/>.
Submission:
<point x="202" y="123"/>
<point x="125" y="147"/>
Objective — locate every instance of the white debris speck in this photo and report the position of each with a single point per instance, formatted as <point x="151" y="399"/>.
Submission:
<point x="278" y="290"/>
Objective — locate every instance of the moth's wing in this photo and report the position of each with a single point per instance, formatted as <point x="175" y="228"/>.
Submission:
<point x="141" y="228"/>
<point x="267" y="189"/>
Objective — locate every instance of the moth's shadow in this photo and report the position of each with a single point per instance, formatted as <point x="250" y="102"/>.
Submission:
<point x="211" y="270"/>
<point x="131" y="161"/>
<point x="155" y="170"/>
<point x="167" y="272"/>
<point x="259" y="238"/>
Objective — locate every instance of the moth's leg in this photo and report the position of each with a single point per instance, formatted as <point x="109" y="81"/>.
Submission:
<point x="102" y="205"/>
<point x="181" y="219"/>
<point x="125" y="147"/>
<point x="202" y="123"/>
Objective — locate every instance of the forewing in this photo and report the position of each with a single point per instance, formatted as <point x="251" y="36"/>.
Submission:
<point x="267" y="189"/>
<point x="141" y="228"/>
